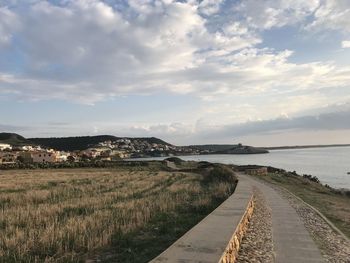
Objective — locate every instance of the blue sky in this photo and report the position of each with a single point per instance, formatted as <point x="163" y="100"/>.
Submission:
<point x="215" y="71"/>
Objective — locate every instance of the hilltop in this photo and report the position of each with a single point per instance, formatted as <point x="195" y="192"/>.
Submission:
<point x="72" y="143"/>
<point x="137" y="147"/>
<point x="84" y="142"/>
<point x="13" y="139"/>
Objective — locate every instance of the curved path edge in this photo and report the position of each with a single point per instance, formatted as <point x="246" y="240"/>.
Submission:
<point x="334" y="227"/>
<point x="217" y="237"/>
<point x="291" y="240"/>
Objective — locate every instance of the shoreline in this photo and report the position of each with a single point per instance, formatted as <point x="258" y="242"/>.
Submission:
<point x="337" y="178"/>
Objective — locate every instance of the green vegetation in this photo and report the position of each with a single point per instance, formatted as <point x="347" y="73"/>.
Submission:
<point x="229" y="149"/>
<point x="213" y="147"/>
<point x="117" y="214"/>
<point x="83" y="164"/>
<point x="175" y="160"/>
<point x="242" y="149"/>
<point x="13" y="139"/>
<point x="334" y="204"/>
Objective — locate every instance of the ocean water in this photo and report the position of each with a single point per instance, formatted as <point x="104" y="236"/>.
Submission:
<point x="330" y="164"/>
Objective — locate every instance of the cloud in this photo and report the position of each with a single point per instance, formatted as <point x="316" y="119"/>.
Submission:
<point x="345" y="44"/>
<point x="329" y="121"/>
<point x="271" y="13"/>
<point x="206" y="132"/>
<point x="13" y="128"/>
<point x="87" y="51"/>
<point x="8" y="24"/>
<point x="210" y="7"/>
<point x="315" y="15"/>
<point x="332" y="15"/>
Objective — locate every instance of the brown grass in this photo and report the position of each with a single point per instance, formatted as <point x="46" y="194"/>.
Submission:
<point x="67" y="215"/>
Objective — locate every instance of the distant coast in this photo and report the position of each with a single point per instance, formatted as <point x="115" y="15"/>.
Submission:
<point x="305" y="146"/>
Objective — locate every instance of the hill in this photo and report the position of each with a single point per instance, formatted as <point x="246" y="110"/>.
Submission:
<point x="242" y="149"/>
<point x="212" y="147"/>
<point x="13" y="139"/>
<point x="229" y="149"/>
<point x="84" y="142"/>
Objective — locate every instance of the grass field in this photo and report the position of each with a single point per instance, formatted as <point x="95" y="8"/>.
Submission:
<point x="123" y="214"/>
<point x="335" y="206"/>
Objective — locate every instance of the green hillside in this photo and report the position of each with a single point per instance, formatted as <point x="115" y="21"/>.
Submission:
<point x="213" y="147"/>
<point x="84" y="142"/>
<point x="229" y="149"/>
<point x="13" y="139"/>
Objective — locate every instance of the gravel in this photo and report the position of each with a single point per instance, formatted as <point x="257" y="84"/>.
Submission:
<point x="257" y="245"/>
<point x="334" y="247"/>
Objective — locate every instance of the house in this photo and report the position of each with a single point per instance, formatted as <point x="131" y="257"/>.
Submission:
<point x="4" y="146"/>
<point x="120" y="154"/>
<point x="91" y="152"/>
<point x="95" y="152"/>
<point x="72" y="158"/>
<point x="62" y="156"/>
<point x="8" y="157"/>
<point x="27" y="148"/>
<point x="44" y="157"/>
<point x="25" y="157"/>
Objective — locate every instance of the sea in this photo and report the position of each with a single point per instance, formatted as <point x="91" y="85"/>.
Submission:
<point x="330" y="164"/>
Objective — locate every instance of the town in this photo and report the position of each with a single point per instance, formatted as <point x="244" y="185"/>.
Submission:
<point x="110" y="150"/>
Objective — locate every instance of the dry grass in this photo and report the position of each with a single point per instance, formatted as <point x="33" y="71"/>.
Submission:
<point x="67" y="215"/>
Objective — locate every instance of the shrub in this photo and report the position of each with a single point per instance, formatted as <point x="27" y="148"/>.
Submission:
<point x="311" y="178"/>
<point x="175" y="160"/>
<point x="220" y="173"/>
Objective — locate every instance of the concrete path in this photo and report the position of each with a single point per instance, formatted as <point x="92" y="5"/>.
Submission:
<point x="292" y="242"/>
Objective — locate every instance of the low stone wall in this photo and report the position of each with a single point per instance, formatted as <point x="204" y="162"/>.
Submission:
<point x="217" y="238"/>
<point x="232" y="249"/>
<point x="257" y="171"/>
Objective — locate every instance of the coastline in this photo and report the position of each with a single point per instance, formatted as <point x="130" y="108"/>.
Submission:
<point x="330" y="165"/>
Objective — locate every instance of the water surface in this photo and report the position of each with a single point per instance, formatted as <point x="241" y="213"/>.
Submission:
<point x="329" y="164"/>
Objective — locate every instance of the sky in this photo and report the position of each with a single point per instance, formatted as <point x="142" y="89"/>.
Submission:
<point x="258" y="72"/>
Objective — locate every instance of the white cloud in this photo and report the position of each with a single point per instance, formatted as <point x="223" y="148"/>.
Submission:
<point x="83" y="48"/>
<point x="313" y="15"/>
<point x="332" y="14"/>
<point x="275" y="13"/>
<point x="209" y="7"/>
<point x="88" y="50"/>
<point x="345" y="44"/>
<point x="204" y="131"/>
<point x="8" y="24"/>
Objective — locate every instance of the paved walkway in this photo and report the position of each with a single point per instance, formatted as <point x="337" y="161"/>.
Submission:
<point x="292" y="242"/>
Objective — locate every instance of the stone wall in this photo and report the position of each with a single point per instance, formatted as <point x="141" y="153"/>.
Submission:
<point x="217" y="238"/>
<point x="257" y="171"/>
<point x="231" y="253"/>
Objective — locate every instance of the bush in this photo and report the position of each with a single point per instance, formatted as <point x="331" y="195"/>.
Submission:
<point x="204" y="164"/>
<point x="220" y="173"/>
<point x="175" y="160"/>
<point x="311" y="178"/>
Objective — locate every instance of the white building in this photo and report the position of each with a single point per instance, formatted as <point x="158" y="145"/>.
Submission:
<point x="44" y="157"/>
<point x="4" y="146"/>
<point x="8" y="157"/>
<point x="27" y="148"/>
